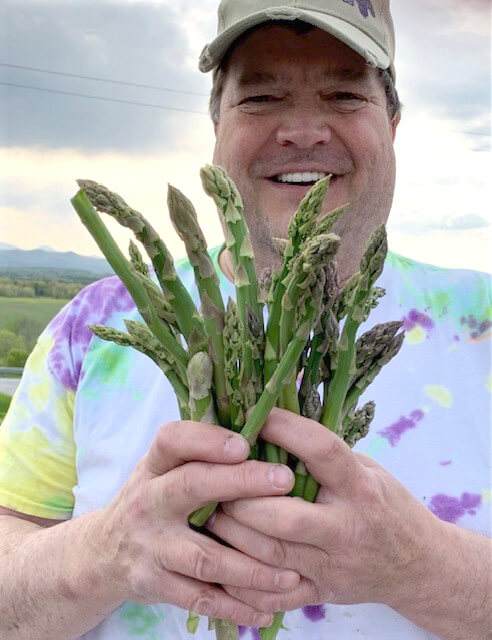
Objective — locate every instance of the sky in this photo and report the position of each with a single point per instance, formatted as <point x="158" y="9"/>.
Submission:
<point x="442" y="208"/>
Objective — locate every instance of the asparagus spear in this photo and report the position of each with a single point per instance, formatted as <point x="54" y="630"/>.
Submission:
<point x="233" y="354"/>
<point x="307" y="313"/>
<point x="298" y="230"/>
<point x="184" y="219"/>
<point x="123" y="268"/>
<point x="371" y="266"/>
<point x="109" y="202"/>
<point x="222" y="189"/>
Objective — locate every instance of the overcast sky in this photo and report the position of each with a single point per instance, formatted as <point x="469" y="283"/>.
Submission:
<point x="442" y="206"/>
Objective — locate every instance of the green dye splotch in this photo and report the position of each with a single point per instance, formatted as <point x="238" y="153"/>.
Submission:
<point x="141" y="620"/>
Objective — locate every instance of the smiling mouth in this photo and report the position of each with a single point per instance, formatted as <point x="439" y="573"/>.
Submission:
<point x="301" y="178"/>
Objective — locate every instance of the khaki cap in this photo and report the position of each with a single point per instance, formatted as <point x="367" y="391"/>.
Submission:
<point x="364" y="25"/>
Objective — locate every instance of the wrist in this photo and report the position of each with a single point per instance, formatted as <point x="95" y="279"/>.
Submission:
<point x="449" y="584"/>
<point x="94" y="562"/>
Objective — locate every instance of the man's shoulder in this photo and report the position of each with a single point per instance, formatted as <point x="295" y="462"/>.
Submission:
<point x="461" y="294"/>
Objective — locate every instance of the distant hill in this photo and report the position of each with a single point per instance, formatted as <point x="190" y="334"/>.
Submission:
<point x="18" y="259"/>
<point x="4" y="246"/>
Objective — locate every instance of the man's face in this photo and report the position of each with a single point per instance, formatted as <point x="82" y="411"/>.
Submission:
<point x="294" y="108"/>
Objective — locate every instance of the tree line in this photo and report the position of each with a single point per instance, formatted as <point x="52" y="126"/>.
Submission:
<point x="11" y="288"/>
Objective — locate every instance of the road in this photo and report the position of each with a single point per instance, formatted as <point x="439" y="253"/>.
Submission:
<point x="8" y="385"/>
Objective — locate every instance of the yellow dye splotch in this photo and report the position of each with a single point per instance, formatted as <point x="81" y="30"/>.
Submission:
<point x="439" y="393"/>
<point x="415" y="335"/>
<point x="35" y="477"/>
<point x="39" y="395"/>
<point x="486" y="496"/>
<point x="489" y="383"/>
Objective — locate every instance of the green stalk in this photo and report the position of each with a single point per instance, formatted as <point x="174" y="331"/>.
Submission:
<point x="269" y="396"/>
<point x="371" y="266"/>
<point x="123" y="268"/>
<point x="271" y="632"/>
<point x="222" y="189"/>
<point x="113" y="204"/>
<point x="185" y="222"/>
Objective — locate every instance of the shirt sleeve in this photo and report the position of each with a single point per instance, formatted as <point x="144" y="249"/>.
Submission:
<point x="37" y="450"/>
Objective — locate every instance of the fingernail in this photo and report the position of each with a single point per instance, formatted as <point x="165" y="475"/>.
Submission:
<point x="263" y="620"/>
<point x="286" y="579"/>
<point x="236" y="447"/>
<point x="281" y="476"/>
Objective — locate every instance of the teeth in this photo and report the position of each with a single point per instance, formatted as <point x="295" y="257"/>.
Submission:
<point x="306" y="176"/>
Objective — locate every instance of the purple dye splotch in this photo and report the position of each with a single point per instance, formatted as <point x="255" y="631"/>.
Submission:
<point x="93" y="305"/>
<point x="394" y="431"/>
<point x="255" y="633"/>
<point x="477" y="329"/>
<point x="365" y="6"/>
<point x="450" y="509"/>
<point x="444" y="463"/>
<point x="314" y="612"/>
<point x="416" y="318"/>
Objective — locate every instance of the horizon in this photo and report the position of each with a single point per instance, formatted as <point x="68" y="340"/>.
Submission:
<point x="135" y="139"/>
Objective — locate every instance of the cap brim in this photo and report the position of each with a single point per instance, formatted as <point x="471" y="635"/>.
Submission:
<point x="340" y="29"/>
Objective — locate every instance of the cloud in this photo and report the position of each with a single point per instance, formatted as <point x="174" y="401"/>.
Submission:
<point x="467" y="221"/>
<point x="443" y="61"/>
<point x="146" y="43"/>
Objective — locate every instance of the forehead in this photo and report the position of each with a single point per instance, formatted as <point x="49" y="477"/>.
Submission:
<point x="273" y="54"/>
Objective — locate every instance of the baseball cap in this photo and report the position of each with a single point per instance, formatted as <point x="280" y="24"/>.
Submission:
<point x="364" y="25"/>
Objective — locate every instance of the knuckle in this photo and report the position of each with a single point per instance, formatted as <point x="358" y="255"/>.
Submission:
<point x="187" y="481"/>
<point x="167" y="434"/>
<point x="331" y="450"/>
<point x="205" y="564"/>
<point x="278" y="553"/>
<point x="269" y="603"/>
<point x="205" y="602"/>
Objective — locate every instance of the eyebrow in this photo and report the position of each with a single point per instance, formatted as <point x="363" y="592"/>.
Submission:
<point x="265" y="78"/>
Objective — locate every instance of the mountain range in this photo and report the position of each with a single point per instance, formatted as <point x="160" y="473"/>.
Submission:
<point x="12" y="258"/>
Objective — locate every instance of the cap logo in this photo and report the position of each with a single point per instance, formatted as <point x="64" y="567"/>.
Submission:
<point x="365" y="6"/>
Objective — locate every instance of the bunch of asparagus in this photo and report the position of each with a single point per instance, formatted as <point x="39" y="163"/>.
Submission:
<point x="222" y="360"/>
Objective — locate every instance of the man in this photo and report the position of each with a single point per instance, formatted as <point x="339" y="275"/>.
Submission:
<point x="81" y="448"/>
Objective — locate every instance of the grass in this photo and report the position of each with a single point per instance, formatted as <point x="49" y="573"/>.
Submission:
<point x="4" y="404"/>
<point x="28" y="316"/>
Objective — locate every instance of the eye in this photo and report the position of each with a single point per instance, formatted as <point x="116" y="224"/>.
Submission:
<point x="345" y="95"/>
<point x="258" y="99"/>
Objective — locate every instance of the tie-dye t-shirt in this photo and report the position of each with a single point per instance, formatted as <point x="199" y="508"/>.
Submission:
<point x="87" y="410"/>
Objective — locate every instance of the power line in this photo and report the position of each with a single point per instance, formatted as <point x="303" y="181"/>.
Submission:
<point x="84" y="95"/>
<point x="109" y="80"/>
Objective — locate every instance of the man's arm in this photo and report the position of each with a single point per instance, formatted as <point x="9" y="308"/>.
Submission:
<point x="452" y="596"/>
<point x="54" y="582"/>
<point x="59" y="582"/>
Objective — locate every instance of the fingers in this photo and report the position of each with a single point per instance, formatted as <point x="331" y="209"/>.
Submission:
<point x="181" y="441"/>
<point x="196" y="484"/>
<point x="206" y="560"/>
<point x="291" y="519"/>
<point x="212" y="601"/>
<point x="305" y="593"/>
<point x="328" y="459"/>
<point x="250" y="541"/>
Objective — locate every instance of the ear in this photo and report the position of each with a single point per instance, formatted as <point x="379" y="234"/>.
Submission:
<point x="216" y="126"/>
<point x="393" y="124"/>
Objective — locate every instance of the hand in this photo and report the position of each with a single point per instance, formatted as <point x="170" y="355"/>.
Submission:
<point x="364" y="540"/>
<point x="157" y="556"/>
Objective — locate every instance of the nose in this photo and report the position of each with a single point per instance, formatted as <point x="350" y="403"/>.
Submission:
<point x="304" y="129"/>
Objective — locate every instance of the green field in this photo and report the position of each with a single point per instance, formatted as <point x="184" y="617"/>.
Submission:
<point x="28" y="316"/>
<point x="4" y="404"/>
